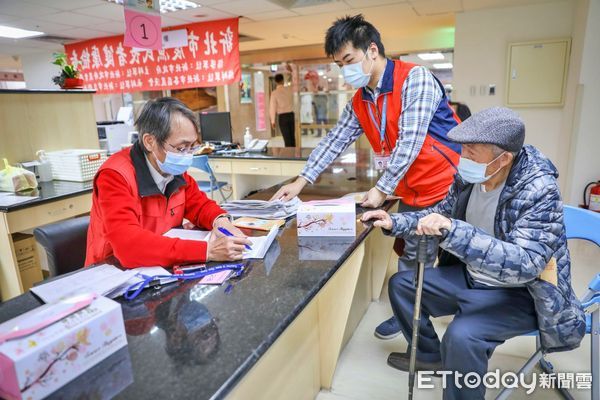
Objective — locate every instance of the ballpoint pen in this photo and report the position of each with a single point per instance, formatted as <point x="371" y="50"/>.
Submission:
<point x="227" y="233"/>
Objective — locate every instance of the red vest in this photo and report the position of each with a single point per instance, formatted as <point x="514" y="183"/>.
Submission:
<point x="430" y="175"/>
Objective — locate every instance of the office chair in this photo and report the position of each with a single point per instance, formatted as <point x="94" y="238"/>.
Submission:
<point x="579" y="224"/>
<point x="201" y="162"/>
<point x="65" y="243"/>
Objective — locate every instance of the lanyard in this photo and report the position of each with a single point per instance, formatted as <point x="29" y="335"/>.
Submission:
<point x="134" y="290"/>
<point x="382" y="122"/>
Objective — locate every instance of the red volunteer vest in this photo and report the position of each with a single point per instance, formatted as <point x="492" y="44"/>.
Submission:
<point x="430" y="175"/>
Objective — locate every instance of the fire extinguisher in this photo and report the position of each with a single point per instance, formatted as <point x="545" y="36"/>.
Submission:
<point x="592" y="201"/>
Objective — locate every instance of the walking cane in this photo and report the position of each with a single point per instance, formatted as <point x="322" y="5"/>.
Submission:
<point x="418" y="282"/>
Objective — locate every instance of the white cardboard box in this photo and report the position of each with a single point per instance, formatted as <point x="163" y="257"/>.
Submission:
<point x="327" y="218"/>
<point x="34" y="366"/>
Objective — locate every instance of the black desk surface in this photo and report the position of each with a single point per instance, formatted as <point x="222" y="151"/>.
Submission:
<point x="193" y="341"/>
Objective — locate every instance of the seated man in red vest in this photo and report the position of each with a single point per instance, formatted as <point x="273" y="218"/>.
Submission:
<point x="404" y="111"/>
<point x="142" y="192"/>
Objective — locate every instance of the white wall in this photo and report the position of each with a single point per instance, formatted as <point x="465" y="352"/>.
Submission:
<point x="584" y="163"/>
<point x="38" y="70"/>
<point x="480" y="54"/>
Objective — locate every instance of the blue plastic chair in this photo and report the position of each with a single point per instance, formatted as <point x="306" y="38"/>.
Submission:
<point x="579" y="224"/>
<point x="201" y="162"/>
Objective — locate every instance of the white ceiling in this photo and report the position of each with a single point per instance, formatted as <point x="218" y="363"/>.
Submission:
<point x="406" y="25"/>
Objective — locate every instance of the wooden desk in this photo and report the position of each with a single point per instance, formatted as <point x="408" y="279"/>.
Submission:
<point x="58" y="200"/>
<point x="248" y="172"/>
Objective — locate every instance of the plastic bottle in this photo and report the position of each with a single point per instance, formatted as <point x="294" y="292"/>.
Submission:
<point x="45" y="167"/>
<point x="247" y="138"/>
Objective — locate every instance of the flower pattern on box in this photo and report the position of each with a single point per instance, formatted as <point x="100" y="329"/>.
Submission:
<point x="61" y="354"/>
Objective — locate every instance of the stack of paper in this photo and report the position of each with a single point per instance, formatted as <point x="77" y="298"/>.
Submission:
<point x="260" y="244"/>
<point x="262" y="209"/>
<point x="100" y="280"/>
<point x="104" y="280"/>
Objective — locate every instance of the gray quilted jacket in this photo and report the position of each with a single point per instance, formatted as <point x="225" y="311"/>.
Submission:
<point x="529" y="232"/>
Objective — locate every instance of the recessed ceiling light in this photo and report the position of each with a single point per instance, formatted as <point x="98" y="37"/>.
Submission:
<point x="431" y="56"/>
<point x="169" y="5"/>
<point x="443" y="66"/>
<point x="17" y="33"/>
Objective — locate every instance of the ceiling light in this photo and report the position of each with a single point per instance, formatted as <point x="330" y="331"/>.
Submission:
<point x="169" y="5"/>
<point x="321" y="73"/>
<point x="431" y="56"/>
<point x="16" y="33"/>
<point x="443" y="66"/>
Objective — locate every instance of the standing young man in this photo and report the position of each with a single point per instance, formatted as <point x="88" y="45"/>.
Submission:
<point x="403" y="110"/>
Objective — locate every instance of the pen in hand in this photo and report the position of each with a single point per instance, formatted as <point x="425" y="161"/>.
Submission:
<point x="227" y="233"/>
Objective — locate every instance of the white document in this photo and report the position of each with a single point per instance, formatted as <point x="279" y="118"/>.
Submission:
<point x="189" y="234"/>
<point x="10" y="199"/>
<point x="140" y="275"/>
<point x="260" y="244"/>
<point x="101" y="280"/>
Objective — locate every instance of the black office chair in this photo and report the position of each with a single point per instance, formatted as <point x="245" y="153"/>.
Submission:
<point x="65" y="243"/>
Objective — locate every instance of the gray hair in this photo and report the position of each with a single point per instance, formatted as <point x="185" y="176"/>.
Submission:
<point x="497" y="150"/>
<point x="156" y="115"/>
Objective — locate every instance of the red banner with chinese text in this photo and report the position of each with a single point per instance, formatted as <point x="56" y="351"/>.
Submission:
<point x="211" y="58"/>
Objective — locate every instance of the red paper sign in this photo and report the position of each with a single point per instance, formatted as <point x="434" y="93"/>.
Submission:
<point x="142" y="30"/>
<point x="211" y="58"/>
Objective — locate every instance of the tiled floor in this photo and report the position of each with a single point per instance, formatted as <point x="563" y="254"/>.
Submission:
<point x="362" y="372"/>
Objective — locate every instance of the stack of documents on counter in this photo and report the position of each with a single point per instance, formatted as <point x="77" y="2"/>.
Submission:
<point x="104" y="280"/>
<point x="262" y="209"/>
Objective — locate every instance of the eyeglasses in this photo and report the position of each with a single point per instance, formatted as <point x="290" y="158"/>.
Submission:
<point x="184" y="149"/>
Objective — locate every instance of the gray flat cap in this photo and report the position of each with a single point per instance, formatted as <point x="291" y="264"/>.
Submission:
<point x="497" y="125"/>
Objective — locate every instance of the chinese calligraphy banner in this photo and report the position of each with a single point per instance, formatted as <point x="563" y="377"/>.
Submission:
<point x="210" y="58"/>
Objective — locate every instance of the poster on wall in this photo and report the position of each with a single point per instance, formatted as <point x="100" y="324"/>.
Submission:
<point x="210" y="58"/>
<point x="260" y="107"/>
<point x="246" y="88"/>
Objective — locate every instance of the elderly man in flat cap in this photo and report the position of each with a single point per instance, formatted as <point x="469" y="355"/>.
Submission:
<point x="504" y="266"/>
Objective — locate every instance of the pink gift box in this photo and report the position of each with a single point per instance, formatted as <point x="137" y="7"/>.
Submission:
<point x="35" y="365"/>
<point x="327" y="218"/>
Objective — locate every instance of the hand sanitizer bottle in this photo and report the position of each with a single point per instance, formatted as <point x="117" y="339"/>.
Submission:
<point x="45" y="168"/>
<point x="247" y="138"/>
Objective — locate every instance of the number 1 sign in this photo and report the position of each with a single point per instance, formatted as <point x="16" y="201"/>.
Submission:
<point x="142" y="30"/>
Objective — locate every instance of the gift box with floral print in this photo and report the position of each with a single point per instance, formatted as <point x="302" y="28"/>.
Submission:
<point x="327" y="218"/>
<point x="35" y="365"/>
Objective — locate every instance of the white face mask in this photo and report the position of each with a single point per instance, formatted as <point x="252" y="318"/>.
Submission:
<point x="354" y="75"/>
<point x="474" y="172"/>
